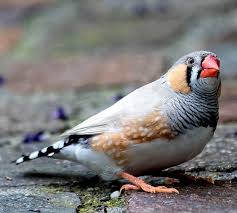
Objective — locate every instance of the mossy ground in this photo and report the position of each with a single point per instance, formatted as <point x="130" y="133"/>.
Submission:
<point x="93" y="201"/>
<point x="94" y="194"/>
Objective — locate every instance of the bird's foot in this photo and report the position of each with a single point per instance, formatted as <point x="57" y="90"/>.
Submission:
<point x="139" y="184"/>
<point x="127" y="187"/>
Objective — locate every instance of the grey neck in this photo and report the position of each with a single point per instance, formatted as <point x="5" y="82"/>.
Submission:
<point x="193" y="110"/>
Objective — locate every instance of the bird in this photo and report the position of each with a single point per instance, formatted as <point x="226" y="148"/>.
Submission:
<point x="159" y="125"/>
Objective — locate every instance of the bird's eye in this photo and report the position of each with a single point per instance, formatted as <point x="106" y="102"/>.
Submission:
<point x="190" y="61"/>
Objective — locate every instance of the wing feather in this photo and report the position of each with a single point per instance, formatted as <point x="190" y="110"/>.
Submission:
<point x="137" y="104"/>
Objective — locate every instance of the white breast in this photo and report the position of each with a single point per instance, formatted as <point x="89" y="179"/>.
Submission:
<point x="162" y="154"/>
<point x="97" y="162"/>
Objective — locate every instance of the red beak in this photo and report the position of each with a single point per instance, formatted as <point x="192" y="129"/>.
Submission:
<point x="210" y="67"/>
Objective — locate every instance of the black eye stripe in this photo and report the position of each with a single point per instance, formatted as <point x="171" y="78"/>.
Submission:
<point x="199" y="73"/>
<point x="188" y="76"/>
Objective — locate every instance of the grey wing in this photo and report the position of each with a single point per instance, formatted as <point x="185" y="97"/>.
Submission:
<point x="99" y="123"/>
<point x="136" y="104"/>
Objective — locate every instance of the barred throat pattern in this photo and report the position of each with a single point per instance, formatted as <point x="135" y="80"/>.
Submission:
<point x="193" y="110"/>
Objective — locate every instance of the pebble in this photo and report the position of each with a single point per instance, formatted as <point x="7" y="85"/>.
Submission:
<point x="8" y="178"/>
<point x="115" y="194"/>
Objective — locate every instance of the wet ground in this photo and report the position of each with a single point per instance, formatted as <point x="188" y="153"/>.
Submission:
<point x="208" y="183"/>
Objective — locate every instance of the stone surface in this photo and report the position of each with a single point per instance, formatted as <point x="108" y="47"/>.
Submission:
<point x="207" y="182"/>
<point x="192" y="198"/>
<point x="34" y="199"/>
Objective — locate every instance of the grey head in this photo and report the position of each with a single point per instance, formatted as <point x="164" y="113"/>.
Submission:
<point x="203" y="71"/>
<point x="195" y="79"/>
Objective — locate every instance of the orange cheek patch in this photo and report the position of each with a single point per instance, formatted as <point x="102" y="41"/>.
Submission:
<point x="133" y="131"/>
<point x="177" y="79"/>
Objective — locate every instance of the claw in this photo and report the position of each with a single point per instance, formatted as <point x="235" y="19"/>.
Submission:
<point x="127" y="187"/>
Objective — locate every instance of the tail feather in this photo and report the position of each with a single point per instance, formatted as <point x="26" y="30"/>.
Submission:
<point x="51" y="150"/>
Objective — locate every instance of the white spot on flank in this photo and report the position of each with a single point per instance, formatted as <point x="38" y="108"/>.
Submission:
<point x="135" y="135"/>
<point x="150" y="134"/>
<point x="95" y="138"/>
<point x="121" y="162"/>
<point x="34" y="155"/>
<point x="122" y="135"/>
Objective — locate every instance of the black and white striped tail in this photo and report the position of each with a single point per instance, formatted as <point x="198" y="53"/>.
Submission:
<point x="51" y="150"/>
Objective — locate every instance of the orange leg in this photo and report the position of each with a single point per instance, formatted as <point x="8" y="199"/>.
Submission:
<point x="140" y="184"/>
